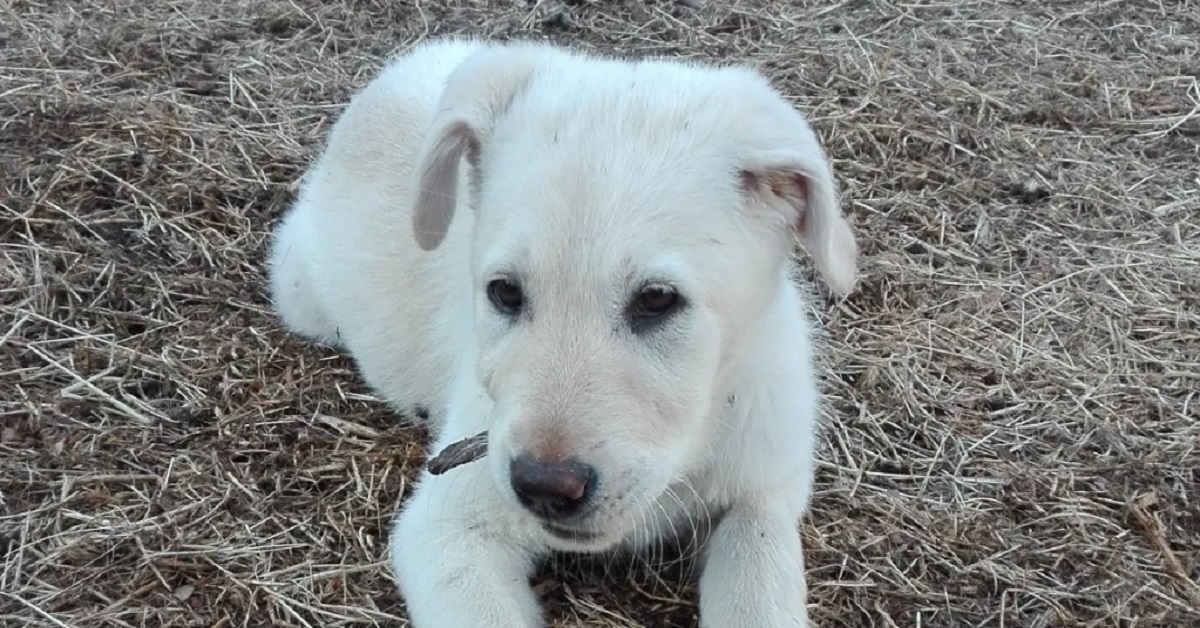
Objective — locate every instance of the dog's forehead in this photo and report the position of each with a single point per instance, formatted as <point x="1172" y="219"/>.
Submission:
<point x="624" y="210"/>
<point x="618" y="170"/>
<point x="609" y="196"/>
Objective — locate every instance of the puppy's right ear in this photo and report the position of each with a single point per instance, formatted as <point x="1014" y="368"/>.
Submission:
<point x="477" y="93"/>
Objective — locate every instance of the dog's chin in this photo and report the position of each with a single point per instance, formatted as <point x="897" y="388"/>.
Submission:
<point x="580" y="538"/>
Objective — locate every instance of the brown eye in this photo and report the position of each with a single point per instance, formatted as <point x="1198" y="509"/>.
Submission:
<point x="506" y="296"/>
<point x="652" y="305"/>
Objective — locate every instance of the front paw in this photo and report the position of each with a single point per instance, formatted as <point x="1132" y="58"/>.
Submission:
<point x="458" y="565"/>
<point x="754" y="576"/>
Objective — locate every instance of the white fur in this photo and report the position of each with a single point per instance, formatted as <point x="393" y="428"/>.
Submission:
<point x="583" y="178"/>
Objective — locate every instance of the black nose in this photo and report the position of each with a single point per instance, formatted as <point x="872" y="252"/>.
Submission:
<point x="554" y="490"/>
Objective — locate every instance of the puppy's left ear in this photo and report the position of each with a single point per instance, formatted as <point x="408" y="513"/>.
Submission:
<point x="796" y="182"/>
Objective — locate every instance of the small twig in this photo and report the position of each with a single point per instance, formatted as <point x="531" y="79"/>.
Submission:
<point x="459" y="453"/>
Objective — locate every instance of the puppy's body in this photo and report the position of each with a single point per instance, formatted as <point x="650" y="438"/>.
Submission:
<point x="591" y="192"/>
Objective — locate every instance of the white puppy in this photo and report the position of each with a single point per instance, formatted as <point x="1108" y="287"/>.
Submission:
<point x="589" y="259"/>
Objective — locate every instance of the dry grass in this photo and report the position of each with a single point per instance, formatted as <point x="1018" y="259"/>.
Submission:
<point x="1015" y="389"/>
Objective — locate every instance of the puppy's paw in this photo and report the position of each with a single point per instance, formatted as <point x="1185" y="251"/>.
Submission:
<point x="456" y="559"/>
<point x="754" y="575"/>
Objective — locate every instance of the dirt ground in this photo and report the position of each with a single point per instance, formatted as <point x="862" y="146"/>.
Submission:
<point x="1014" y="390"/>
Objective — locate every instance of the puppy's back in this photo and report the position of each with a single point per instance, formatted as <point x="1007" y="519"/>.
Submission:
<point x="380" y="132"/>
<point x="345" y="268"/>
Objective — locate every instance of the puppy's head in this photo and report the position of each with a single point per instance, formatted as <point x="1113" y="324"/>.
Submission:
<point x="633" y="221"/>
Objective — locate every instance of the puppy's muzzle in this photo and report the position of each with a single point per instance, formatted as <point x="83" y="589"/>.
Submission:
<point x="553" y="490"/>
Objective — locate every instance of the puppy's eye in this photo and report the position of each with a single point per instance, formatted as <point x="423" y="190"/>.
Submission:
<point x="652" y="305"/>
<point x="506" y="296"/>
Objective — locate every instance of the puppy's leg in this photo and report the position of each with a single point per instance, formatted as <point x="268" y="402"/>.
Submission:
<point x="462" y="557"/>
<point x="458" y="561"/>
<point x="754" y="575"/>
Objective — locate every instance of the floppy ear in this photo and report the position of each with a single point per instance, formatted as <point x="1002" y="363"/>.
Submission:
<point x="796" y="180"/>
<point x="477" y="93"/>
